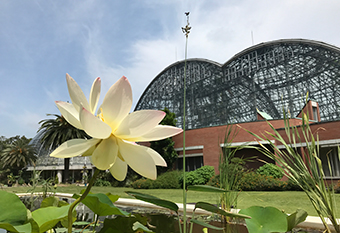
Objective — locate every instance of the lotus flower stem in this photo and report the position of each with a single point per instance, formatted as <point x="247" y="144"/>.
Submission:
<point x="82" y="197"/>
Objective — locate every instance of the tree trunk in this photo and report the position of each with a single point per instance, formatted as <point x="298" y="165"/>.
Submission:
<point x="66" y="170"/>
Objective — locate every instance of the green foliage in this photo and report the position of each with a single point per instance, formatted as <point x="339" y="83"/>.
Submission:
<point x="14" y="211"/>
<point x="231" y="169"/>
<point x="265" y="220"/>
<point x="17" y="218"/>
<point x="101" y="204"/>
<point x="191" y="178"/>
<point x="169" y="119"/>
<point x="306" y="171"/>
<point x="47" y="186"/>
<point x="206" y="172"/>
<point x="200" y="176"/>
<point x="251" y="181"/>
<point x="154" y="200"/>
<point x="270" y="169"/>
<point x="53" y="132"/>
<point x="102" y="183"/>
<point x="11" y="179"/>
<point x="206" y="188"/>
<point x="270" y="219"/>
<point x="337" y="187"/>
<point x="125" y="224"/>
<point x="215" y="209"/>
<point x="295" y="218"/>
<point x="167" y="180"/>
<point x="142" y="184"/>
<point x="201" y="205"/>
<point x="214" y="181"/>
<point x="17" y="154"/>
<point x="166" y="147"/>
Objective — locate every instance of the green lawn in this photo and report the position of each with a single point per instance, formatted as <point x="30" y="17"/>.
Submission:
<point x="287" y="201"/>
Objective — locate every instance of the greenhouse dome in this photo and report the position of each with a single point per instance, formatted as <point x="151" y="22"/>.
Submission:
<point x="265" y="77"/>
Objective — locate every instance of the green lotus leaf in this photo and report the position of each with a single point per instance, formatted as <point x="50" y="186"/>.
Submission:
<point x="265" y="219"/>
<point x="295" y="218"/>
<point x="48" y="217"/>
<point x="16" y="217"/>
<point x="214" y="209"/>
<point x="206" y="188"/>
<point x="101" y="204"/>
<point x="205" y="224"/>
<point x="154" y="200"/>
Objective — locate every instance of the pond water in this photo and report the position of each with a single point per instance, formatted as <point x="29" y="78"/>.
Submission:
<point x="161" y="221"/>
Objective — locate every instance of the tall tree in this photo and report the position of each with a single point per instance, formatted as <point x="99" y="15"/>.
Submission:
<point x="54" y="132"/>
<point x="166" y="147"/>
<point x="17" y="154"/>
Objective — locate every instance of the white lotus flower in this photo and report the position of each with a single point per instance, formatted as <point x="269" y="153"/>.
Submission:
<point x="113" y="130"/>
<point x="71" y="111"/>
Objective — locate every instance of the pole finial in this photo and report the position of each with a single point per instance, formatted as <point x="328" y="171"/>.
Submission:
<point x="186" y="29"/>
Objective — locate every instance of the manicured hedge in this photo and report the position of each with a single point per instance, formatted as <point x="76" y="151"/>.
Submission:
<point x="174" y="179"/>
<point x="167" y="180"/>
<point x="251" y="181"/>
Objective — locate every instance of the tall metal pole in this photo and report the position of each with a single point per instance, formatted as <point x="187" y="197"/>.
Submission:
<point x="186" y="31"/>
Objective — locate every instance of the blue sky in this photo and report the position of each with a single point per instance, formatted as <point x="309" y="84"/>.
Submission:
<point x="42" y="40"/>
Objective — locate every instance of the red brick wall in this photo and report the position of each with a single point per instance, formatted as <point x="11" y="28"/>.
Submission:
<point x="211" y="138"/>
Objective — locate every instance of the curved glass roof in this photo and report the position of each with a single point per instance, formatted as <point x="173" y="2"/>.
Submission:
<point x="44" y="159"/>
<point x="264" y="77"/>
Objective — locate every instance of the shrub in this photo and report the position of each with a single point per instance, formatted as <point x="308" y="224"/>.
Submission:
<point x="198" y="177"/>
<point x="252" y="181"/>
<point x="102" y="183"/>
<point x="270" y="169"/>
<point x="191" y="178"/>
<point x="292" y="186"/>
<point x="21" y="181"/>
<point x="168" y="180"/>
<point x="142" y="184"/>
<point x="205" y="173"/>
<point x="214" y="181"/>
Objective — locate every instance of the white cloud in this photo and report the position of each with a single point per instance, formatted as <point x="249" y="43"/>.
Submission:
<point x="95" y="38"/>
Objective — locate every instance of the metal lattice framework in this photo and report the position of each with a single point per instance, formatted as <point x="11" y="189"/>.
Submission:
<point x="44" y="159"/>
<point x="266" y="77"/>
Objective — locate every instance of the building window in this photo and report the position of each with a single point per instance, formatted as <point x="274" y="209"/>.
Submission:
<point x="315" y="114"/>
<point x="191" y="163"/>
<point x="330" y="161"/>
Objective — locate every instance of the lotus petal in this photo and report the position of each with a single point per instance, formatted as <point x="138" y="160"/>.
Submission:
<point x="138" y="123"/>
<point x="119" y="169"/>
<point x="76" y="94"/>
<point x="73" y="147"/>
<point x="70" y="114"/>
<point x="157" y="158"/>
<point x="138" y="158"/>
<point x="117" y="103"/>
<point x="94" y="126"/>
<point x="94" y="95"/>
<point x="105" y="155"/>
<point x="157" y="133"/>
<point x="90" y="151"/>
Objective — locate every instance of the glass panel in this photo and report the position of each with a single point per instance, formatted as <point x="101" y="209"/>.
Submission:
<point x="268" y="77"/>
<point x="330" y="161"/>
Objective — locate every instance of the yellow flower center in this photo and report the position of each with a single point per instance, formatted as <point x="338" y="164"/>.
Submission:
<point x="101" y="116"/>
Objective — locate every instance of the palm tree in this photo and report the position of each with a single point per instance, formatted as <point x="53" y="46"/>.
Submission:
<point x="18" y="155"/>
<point x="53" y="132"/>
